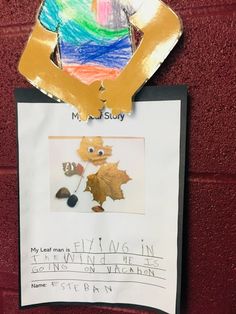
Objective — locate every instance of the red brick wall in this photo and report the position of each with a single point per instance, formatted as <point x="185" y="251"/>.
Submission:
<point x="204" y="59"/>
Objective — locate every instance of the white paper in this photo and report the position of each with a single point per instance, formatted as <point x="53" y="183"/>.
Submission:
<point x="126" y="254"/>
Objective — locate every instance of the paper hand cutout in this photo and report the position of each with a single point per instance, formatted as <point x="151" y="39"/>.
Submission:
<point x="82" y="51"/>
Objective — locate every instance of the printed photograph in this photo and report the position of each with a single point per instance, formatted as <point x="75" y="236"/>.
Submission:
<point x="94" y="174"/>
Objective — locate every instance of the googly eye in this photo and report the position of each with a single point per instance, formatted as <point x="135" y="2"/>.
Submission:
<point x="100" y="152"/>
<point x="90" y="149"/>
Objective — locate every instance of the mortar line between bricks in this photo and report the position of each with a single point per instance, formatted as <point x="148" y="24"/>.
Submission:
<point x="9" y="289"/>
<point x="21" y="29"/>
<point x="8" y="170"/>
<point x="120" y="310"/>
<point x="212" y="178"/>
<point x="209" y="10"/>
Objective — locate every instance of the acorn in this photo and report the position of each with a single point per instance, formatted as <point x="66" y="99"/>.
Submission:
<point x="98" y="209"/>
<point x="72" y="200"/>
<point x="63" y="193"/>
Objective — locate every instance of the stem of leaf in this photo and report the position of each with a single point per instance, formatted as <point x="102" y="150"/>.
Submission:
<point x="82" y="176"/>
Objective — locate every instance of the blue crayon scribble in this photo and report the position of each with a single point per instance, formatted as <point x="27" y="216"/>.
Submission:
<point x="115" y="55"/>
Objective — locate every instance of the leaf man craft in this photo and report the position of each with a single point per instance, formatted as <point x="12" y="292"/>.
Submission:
<point x="106" y="182"/>
<point x="83" y="51"/>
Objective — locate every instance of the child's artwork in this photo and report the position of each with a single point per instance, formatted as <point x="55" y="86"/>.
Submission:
<point x="93" y="36"/>
<point x="83" y="51"/>
<point x="101" y="205"/>
<point x="96" y="174"/>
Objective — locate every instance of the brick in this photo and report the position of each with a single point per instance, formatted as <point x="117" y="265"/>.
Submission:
<point x="208" y="251"/>
<point x="208" y="70"/>
<point x="9" y="281"/>
<point x="186" y="4"/>
<point x="9" y="80"/>
<point x="9" y="226"/>
<point x="13" y="12"/>
<point x="11" y="305"/>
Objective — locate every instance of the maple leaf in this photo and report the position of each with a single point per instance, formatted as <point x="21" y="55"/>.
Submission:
<point x="107" y="183"/>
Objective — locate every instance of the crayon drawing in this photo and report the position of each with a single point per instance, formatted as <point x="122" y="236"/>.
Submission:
<point x="94" y="36"/>
<point x="82" y="51"/>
